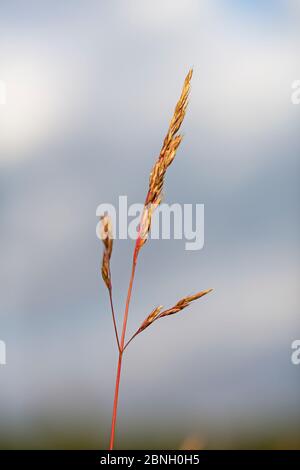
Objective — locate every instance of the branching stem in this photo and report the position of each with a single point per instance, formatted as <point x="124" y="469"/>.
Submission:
<point x="114" y="319"/>
<point x="121" y="350"/>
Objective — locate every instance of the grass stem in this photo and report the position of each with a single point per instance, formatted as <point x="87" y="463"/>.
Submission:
<point x="121" y="350"/>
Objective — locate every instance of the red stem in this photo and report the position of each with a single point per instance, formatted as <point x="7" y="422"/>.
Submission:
<point x="118" y="376"/>
<point x="115" y="407"/>
<point x="114" y="318"/>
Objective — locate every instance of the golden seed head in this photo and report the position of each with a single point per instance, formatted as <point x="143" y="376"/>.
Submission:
<point x="180" y="305"/>
<point x="151" y="318"/>
<point x="183" y="303"/>
<point x="106" y="233"/>
<point x="166" y="157"/>
<point x="107" y="238"/>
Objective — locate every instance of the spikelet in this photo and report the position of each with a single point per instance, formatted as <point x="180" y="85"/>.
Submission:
<point x="183" y="303"/>
<point x="107" y="238"/>
<point x="180" y="305"/>
<point x="166" y="157"/>
<point x="150" y="319"/>
<point x="170" y="146"/>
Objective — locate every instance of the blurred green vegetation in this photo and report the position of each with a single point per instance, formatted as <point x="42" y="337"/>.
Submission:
<point x="87" y="438"/>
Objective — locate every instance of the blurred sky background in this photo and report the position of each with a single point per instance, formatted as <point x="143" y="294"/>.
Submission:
<point x="91" y="87"/>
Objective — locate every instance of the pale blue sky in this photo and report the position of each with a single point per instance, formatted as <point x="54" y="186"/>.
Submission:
<point x="91" y="88"/>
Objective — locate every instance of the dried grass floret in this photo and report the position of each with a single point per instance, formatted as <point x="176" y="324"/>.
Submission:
<point x="166" y="157"/>
<point x="107" y="238"/>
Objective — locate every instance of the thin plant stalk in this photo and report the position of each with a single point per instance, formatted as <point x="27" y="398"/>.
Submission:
<point x="114" y="318"/>
<point x="153" y="199"/>
<point x="115" y="406"/>
<point x="121" y="350"/>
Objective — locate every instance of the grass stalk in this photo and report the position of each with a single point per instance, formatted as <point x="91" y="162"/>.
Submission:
<point x="153" y="199"/>
<point x="119" y="368"/>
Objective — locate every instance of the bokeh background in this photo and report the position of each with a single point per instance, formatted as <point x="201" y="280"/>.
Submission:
<point x="91" y="86"/>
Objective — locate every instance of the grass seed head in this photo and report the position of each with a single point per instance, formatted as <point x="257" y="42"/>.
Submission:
<point x="150" y="319"/>
<point x="166" y="157"/>
<point x="180" y="305"/>
<point x="183" y="303"/>
<point x="107" y="238"/>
